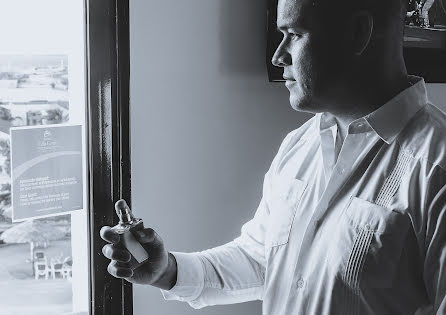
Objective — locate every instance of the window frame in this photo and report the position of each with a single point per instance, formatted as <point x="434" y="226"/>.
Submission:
<point x="108" y="123"/>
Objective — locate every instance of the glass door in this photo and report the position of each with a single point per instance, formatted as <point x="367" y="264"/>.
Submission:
<point x="63" y="112"/>
<point x="43" y="209"/>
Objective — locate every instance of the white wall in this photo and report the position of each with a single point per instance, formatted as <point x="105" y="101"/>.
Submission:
<point x="205" y="125"/>
<point x="437" y="95"/>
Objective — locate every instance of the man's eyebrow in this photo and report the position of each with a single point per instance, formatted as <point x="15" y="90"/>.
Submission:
<point x="285" y="27"/>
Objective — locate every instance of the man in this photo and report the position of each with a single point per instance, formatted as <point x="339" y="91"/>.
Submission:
<point x="352" y="218"/>
<point x="425" y="12"/>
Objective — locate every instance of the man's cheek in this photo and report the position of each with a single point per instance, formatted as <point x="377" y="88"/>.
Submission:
<point x="306" y="72"/>
<point x="302" y="64"/>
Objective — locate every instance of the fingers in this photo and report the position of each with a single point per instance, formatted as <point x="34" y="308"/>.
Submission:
<point x="119" y="271"/>
<point x="118" y="256"/>
<point x="108" y="235"/>
<point x="112" y="252"/>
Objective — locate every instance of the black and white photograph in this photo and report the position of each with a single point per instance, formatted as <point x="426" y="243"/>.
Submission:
<point x="216" y="157"/>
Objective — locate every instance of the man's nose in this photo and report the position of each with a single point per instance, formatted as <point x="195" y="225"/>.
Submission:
<point x="281" y="57"/>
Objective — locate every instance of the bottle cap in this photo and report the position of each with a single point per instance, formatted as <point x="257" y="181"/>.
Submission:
<point x="124" y="213"/>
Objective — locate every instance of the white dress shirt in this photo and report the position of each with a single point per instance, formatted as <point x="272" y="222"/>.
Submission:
<point x="357" y="228"/>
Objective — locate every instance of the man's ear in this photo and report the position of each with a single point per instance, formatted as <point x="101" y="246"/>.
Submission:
<point x="362" y="31"/>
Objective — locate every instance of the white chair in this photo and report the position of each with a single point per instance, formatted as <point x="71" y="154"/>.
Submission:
<point x="67" y="271"/>
<point x="39" y="255"/>
<point x="41" y="269"/>
<point x="57" y="268"/>
<point x="67" y="267"/>
<point x="68" y="260"/>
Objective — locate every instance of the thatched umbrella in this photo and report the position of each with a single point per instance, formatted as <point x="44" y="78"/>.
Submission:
<point x="31" y="231"/>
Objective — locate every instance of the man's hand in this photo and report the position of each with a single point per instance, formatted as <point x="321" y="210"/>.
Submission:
<point x="159" y="270"/>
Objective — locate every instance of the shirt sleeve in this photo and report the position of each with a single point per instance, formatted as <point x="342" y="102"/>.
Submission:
<point x="435" y="245"/>
<point x="234" y="272"/>
<point x="227" y="274"/>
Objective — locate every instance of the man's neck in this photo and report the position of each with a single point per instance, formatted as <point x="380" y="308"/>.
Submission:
<point x="367" y="102"/>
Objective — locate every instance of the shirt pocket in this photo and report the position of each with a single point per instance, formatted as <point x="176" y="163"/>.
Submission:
<point x="366" y="244"/>
<point x="283" y="206"/>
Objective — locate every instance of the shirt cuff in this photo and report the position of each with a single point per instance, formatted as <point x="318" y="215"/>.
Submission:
<point x="190" y="278"/>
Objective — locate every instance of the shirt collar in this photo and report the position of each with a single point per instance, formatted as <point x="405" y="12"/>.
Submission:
<point x="389" y="120"/>
<point x="326" y="121"/>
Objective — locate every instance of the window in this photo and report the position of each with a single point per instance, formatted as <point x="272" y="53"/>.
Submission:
<point x="61" y="82"/>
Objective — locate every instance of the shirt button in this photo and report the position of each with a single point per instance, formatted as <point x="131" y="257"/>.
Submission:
<point x="300" y="283"/>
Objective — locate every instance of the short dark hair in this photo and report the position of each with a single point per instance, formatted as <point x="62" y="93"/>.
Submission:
<point x="386" y="13"/>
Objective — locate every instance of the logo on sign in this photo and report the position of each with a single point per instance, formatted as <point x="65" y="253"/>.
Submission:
<point x="47" y="143"/>
<point x="47" y="135"/>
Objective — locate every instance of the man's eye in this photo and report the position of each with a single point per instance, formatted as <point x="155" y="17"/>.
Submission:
<point x="295" y="35"/>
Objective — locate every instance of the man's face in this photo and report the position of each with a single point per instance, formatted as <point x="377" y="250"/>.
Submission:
<point x="312" y="59"/>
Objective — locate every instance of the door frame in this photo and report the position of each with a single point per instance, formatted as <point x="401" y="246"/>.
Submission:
<point x="108" y="123"/>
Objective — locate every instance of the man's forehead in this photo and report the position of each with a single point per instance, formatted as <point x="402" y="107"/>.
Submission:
<point x="291" y="12"/>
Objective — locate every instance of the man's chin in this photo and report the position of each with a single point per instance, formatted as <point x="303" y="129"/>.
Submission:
<point x="302" y="104"/>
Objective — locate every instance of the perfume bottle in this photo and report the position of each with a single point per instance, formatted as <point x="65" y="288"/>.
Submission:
<point x="127" y="224"/>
